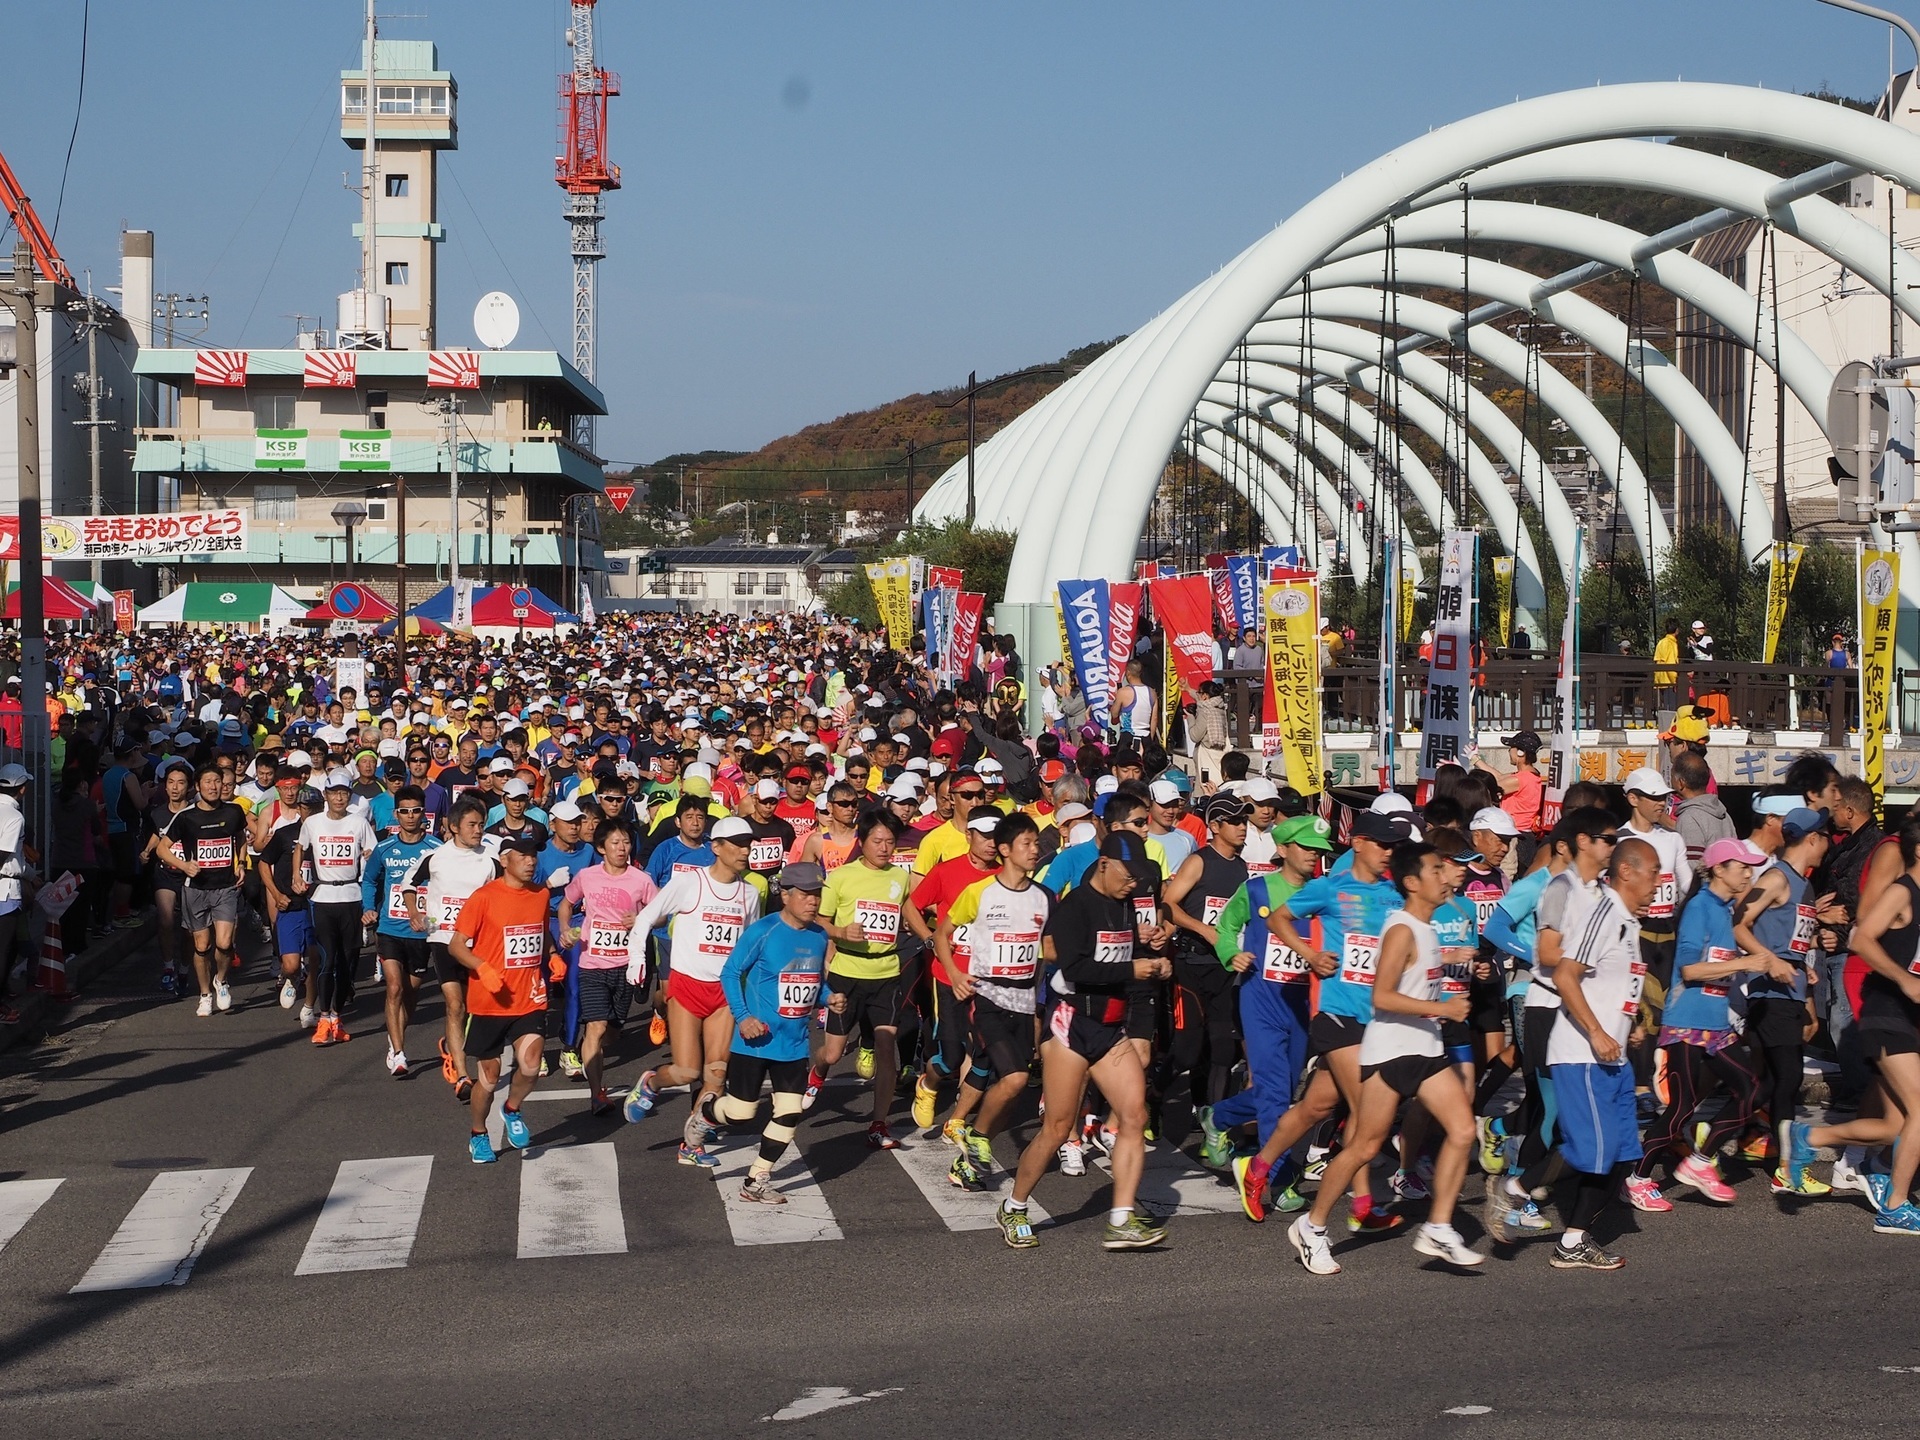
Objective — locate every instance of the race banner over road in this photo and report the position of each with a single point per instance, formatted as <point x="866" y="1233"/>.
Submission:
<point x="131" y="537"/>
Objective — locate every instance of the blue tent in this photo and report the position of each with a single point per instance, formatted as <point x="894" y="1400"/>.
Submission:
<point x="439" y="606"/>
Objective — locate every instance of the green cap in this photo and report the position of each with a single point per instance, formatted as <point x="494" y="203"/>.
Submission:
<point x="1307" y="830"/>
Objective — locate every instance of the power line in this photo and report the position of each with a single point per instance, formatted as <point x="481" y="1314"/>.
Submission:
<point x="79" y="102"/>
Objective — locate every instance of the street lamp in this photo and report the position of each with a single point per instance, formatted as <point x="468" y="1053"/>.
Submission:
<point x="519" y="544"/>
<point x="350" y="513"/>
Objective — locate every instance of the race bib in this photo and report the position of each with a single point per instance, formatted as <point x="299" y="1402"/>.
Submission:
<point x="879" y="919"/>
<point x="306" y="874"/>
<point x="1483" y="908"/>
<point x="1113" y="947"/>
<point x="1010" y="955"/>
<point x="963" y="946"/>
<point x="767" y="854"/>
<point x="608" y="942"/>
<point x="1455" y="977"/>
<point x="1145" y="913"/>
<point x="682" y="867"/>
<point x="397" y="902"/>
<point x="1661" y="906"/>
<point x="335" y="850"/>
<point x="1213" y="909"/>
<point x="450" y="908"/>
<point x="1358" y="955"/>
<point x="1804" y="921"/>
<point x="720" y="927"/>
<point x="1280" y="966"/>
<point x="215" y="853"/>
<point x="1261" y="867"/>
<point x="798" y="991"/>
<point x="524" y="946"/>
<point x="1715" y="954"/>
<point x="1631" y="1005"/>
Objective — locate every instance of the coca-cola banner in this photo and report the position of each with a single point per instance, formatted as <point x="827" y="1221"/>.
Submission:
<point x="1123" y="596"/>
<point x="967" y="613"/>
<point x="1183" y="607"/>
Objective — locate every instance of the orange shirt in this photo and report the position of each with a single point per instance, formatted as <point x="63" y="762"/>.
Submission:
<point x="507" y="928"/>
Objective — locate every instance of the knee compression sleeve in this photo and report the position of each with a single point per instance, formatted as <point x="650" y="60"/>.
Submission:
<point x="779" y="1130"/>
<point x="732" y="1110"/>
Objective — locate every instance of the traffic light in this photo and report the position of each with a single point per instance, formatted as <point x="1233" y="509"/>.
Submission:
<point x="1870" y="414"/>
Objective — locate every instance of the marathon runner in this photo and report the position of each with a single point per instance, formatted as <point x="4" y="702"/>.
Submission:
<point x="436" y="893"/>
<point x="403" y="952"/>
<point x="596" y="919"/>
<point x="210" y="836"/>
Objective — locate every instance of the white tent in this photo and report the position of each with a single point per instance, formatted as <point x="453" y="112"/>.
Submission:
<point x="248" y="603"/>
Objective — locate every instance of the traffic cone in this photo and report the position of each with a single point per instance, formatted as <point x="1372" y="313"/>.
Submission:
<point x="52" y="976"/>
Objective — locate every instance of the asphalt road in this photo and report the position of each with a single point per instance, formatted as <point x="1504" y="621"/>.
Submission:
<point x="1723" y="1322"/>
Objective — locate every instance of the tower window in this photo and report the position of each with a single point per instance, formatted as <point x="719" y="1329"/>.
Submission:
<point x="396" y="272"/>
<point x="396" y="187"/>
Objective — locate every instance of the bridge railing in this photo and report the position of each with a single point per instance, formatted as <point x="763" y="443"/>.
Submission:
<point x="1616" y="692"/>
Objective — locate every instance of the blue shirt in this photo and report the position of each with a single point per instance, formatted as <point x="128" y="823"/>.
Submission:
<point x="774" y="975"/>
<point x="1070" y="866"/>
<point x="1706" y="925"/>
<point x="553" y="859"/>
<point x="674" y="851"/>
<point x="1346" y="907"/>
<point x="392" y="861"/>
<point x="1512" y="930"/>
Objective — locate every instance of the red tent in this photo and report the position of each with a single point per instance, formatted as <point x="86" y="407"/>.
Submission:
<point x="513" y="607"/>
<point x="348" y="601"/>
<point x="63" y="602"/>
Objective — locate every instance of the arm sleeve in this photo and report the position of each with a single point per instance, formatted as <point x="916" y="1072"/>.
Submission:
<point x="1501" y="935"/>
<point x="1233" y="920"/>
<point x="370" y="879"/>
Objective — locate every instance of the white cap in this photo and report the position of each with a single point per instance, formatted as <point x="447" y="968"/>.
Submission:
<point x="1647" y="781"/>
<point x="698" y="770"/>
<point x="340" y="780"/>
<point x="917" y="764"/>
<point x="392" y="750"/>
<point x="1105" y="785"/>
<point x="867" y="735"/>
<point x="903" y="789"/>
<point x="1071" y="811"/>
<point x="500" y="765"/>
<point x="1258" y="790"/>
<point x="1390" y="802"/>
<point x="565" y="810"/>
<point x="299" y="760"/>
<point x="1495" y="821"/>
<point x="767" y="790"/>
<point x="1777" y="804"/>
<point x="1164" y="792"/>
<point x="1082" y="832"/>
<point x="986" y="822"/>
<point x="731" y="828"/>
<point x="708" y="756"/>
<point x="516" y="789"/>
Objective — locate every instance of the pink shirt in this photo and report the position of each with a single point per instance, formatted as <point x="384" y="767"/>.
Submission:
<point x="604" y="906"/>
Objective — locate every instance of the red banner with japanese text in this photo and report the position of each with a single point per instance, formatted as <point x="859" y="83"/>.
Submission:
<point x="123" y="610"/>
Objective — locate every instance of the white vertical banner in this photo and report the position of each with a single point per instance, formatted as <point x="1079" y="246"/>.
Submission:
<point x="1562" y="763"/>
<point x="1390" y="651"/>
<point x="586" y="604"/>
<point x="1447" y="727"/>
<point x="462" y="605"/>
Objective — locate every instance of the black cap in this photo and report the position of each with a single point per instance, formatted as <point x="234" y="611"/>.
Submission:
<point x="1224" y="809"/>
<point x="1525" y="740"/>
<point x="523" y="844"/>
<point x="1381" y="829"/>
<point x="1127" y="849"/>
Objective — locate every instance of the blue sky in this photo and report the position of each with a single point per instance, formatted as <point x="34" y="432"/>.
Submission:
<point x="826" y="204"/>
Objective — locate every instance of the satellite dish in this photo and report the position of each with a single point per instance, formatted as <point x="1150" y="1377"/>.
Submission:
<point x="496" y="320"/>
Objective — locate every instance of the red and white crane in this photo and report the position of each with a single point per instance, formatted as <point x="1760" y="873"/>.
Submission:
<point x="583" y="171"/>
<point x="27" y="221"/>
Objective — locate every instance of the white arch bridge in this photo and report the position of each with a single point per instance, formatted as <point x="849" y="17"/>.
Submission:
<point x="1294" y="366"/>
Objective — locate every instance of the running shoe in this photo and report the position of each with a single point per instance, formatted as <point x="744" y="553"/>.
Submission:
<point x="1796" y="1155"/>
<point x="128" y="922"/>
<point x="1375" y="1222"/>
<point x="1584" y="1256"/>
<point x="641" y="1099"/>
<point x="396" y="1063"/>
<point x="1647" y="1106"/>
<point x="463" y="1090"/>
<point x="570" y="1065"/>
<point x="519" y="1134"/>
<point x="1781" y="1183"/>
<point x="881" y="1138"/>
<point x="657" y="1029"/>
<point x="170" y="980"/>
<point x="1316" y="1163"/>
<point x="926" y="1099"/>
<point x="1903" y="1221"/>
<point x="1493" y="1156"/>
<point x="1443" y="1242"/>
<point x="308" y="1017"/>
<point x="1527" y="1216"/>
<point x="1216" y="1146"/>
<point x="544" y="1071"/>
<point x="978" y="1150"/>
<point x="815" y="1079"/>
<point x="1073" y="1159"/>
<point x="696" y="1131"/>
<point x="205" y="1007"/>
<point x="1845" y="1177"/>
<point x="1288" y="1200"/>
<point x="287" y="995"/>
<point x="481" y="1149"/>
<point x="1313" y="1248"/>
<point x="1105" y="1139"/>
<point x="222" y="996"/>
<point x="603" y="1102"/>
<point x="697" y="1157"/>
<point x="962" y="1176"/>
<point x="1250" y="1179"/>
<point x="1140" y="1232"/>
<point x="863" y="1063"/>
<point x="951" y="1131"/>
<point x="1702" y="1176"/>
<point x="1500" y="1204"/>
<point x="1643" y="1193"/>
<point x="1880" y="1191"/>
<point x="1757" y="1149"/>
<point x="447" y="1070"/>
<point x="759" y="1190"/>
<point x="322" y="1030"/>
<point x="1408" y="1186"/>
<point x="340" y="1034"/>
<point x="1015" y="1227"/>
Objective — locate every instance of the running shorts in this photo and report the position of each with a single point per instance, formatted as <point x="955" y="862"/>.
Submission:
<point x="746" y="1071"/>
<point x="878" y="1001"/>
<point x="1487" y="1005"/>
<point x="1598" y="1124"/>
<point x="446" y="969"/>
<point x="488" y="1035"/>
<point x="699" y="998"/>
<point x="293" y="931"/>
<point x="410" y="952"/>
<point x="1405" y="1074"/>
<point x="203" y="909"/>
<point x="1889" y="1022"/>
<point x="604" y="995"/>
<point x="1143" y="1010"/>
<point x="1328" y="1033"/>
<point x="1003" y="1038"/>
<point x="1092" y="1040"/>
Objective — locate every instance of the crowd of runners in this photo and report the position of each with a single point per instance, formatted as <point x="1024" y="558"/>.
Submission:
<point x="729" y="855"/>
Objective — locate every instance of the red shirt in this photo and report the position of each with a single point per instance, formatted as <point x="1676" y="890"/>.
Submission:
<point x="937" y="891"/>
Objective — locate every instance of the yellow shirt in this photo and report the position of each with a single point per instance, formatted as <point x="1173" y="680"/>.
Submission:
<point x="943" y="842"/>
<point x="1667" y="652"/>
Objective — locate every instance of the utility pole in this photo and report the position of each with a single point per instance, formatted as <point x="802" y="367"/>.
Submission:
<point x="93" y="316"/>
<point x="33" y="616"/>
<point x="449" y="406"/>
<point x="973" y="390"/>
<point x="169" y="308"/>
<point x="400" y="581"/>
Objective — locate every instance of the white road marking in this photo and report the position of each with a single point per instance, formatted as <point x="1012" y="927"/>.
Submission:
<point x="827" y="1397"/>
<point x="1171" y="1184"/>
<point x="805" y="1216"/>
<point x="1468" y="1410"/>
<point x="926" y="1161"/>
<point x="570" y="1202"/>
<point x="370" y="1217"/>
<point x="165" y="1231"/>
<point x="18" y="1200"/>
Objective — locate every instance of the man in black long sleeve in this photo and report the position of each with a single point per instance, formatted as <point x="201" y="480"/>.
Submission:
<point x="1091" y="936"/>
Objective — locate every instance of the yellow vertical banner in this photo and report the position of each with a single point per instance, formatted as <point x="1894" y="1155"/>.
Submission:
<point x="1408" y="594"/>
<point x="1292" y="610"/>
<point x="1060" y="619"/>
<point x="1780" y="578"/>
<point x="1503" y="596"/>
<point x="1169" y="686"/>
<point x="892" y="582"/>
<point x="1879" y="604"/>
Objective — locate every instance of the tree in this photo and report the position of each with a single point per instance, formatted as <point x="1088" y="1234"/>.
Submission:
<point x="982" y="557"/>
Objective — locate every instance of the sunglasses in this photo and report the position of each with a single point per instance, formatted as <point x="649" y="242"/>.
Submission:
<point x="1608" y="838"/>
<point x="843" y="804"/>
<point x="409" y="810"/>
<point x="969" y="794"/>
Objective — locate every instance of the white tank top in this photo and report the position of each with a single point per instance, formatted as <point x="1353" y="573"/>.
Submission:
<point x="1390" y="1036"/>
<point x="1139" y="715"/>
<point x="708" y="919"/>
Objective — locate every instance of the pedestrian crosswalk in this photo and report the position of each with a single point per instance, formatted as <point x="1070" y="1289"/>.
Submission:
<point x="569" y="1203"/>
